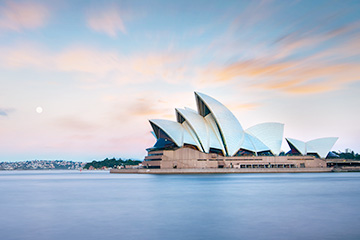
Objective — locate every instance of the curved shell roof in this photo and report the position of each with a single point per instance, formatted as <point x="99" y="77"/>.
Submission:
<point x="198" y="125"/>
<point x="214" y="134"/>
<point x="321" y="146"/>
<point x="253" y="144"/>
<point x="270" y="134"/>
<point x="299" y="145"/>
<point x="231" y="132"/>
<point x="190" y="136"/>
<point x="172" y="129"/>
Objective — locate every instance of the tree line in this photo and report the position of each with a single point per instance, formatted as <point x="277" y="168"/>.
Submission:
<point x="347" y="155"/>
<point x="111" y="163"/>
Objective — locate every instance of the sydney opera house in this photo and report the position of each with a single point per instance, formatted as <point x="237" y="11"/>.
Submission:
<point x="212" y="137"/>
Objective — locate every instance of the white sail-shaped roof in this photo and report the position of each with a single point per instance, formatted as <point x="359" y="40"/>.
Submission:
<point x="248" y="144"/>
<point x="259" y="145"/>
<point x="173" y="129"/>
<point x="253" y="144"/>
<point x="214" y="135"/>
<point x="190" y="109"/>
<point x="190" y="136"/>
<point x="231" y="132"/>
<point x="299" y="145"/>
<point x="321" y="146"/>
<point x="188" y="139"/>
<point x="270" y="134"/>
<point x="198" y="125"/>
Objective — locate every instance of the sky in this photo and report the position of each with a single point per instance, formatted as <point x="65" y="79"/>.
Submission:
<point x="79" y="80"/>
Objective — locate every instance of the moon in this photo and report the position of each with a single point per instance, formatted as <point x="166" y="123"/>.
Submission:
<point x="39" y="110"/>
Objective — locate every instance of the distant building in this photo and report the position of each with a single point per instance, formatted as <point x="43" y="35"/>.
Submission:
<point x="213" y="137"/>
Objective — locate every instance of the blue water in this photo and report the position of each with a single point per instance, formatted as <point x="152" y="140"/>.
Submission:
<point x="65" y="205"/>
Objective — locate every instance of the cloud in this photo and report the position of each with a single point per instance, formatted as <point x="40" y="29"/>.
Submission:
<point x="25" y="56"/>
<point x="299" y="63"/>
<point x="303" y="76"/>
<point x="107" y="21"/>
<point x="144" y="107"/>
<point x="86" y="60"/>
<point x="311" y="88"/>
<point x="341" y="39"/>
<point x="17" y="16"/>
<point x="244" y="106"/>
<point x="254" y="13"/>
<point x="248" y="68"/>
<point x="301" y="58"/>
<point x="6" y="111"/>
<point x="100" y="65"/>
<point x="74" y="123"/>
<point x="122" y="69"/>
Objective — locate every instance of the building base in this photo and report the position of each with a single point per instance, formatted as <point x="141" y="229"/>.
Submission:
<point x="187" y="158"/>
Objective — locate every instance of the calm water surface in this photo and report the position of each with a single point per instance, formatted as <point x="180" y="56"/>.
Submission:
<point x="65" y="205"/>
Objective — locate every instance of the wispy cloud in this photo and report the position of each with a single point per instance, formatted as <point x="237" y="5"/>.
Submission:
<point x="6" y="111"/>
<point x="254" y="13"/>
<point x="88" y="60"/>
<point x="308" y="54"/>
<point x="305" y="61"/>
<point x="144" y="107"/>
<point x="244" y="106"/>
<point x="108" y="20"/>
<point x="17" y="16"/>
<point x="311" y="88"/>
<point x="25" y="56"/>
<point x="168" y="66"/>
<point x="74" y="123"/>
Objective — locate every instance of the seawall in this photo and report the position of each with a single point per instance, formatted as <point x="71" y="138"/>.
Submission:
<point x="221" y="170"/>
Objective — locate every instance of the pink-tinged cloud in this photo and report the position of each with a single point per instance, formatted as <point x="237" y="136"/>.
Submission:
<point x="170" y="66"/>
<point x="108" y="21"/>
<point x="125" y="69"/>
<point x="86" y="60"/>
<point x="17" y="16"/>
<point x="25" y="56"/>
<point x="244" y="106"/>
<point x="311" y="88"/>
<point x="74" y="123"/>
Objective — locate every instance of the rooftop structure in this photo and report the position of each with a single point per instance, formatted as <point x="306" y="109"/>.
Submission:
<point x="214" y="129"/>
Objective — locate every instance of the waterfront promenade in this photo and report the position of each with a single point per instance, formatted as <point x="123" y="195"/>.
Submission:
<point x="221" y="170"/>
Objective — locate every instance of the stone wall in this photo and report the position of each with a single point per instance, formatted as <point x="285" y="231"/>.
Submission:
<point x="187" y="158"/>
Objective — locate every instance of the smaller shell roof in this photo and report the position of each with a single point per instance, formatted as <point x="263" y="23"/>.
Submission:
<point x="253" y="144"/>
<point x="173" y="129"/>
<point x="299" y="145"/>
<point x="321" y="146"/>
<point x="270" y="134"/>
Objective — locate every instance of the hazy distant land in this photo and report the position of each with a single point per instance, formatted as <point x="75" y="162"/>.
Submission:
<point x="41" y="165"/>
<point x="66" y="165"/>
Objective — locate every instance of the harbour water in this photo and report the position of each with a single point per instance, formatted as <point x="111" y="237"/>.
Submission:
<point x="98" y="205"/>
